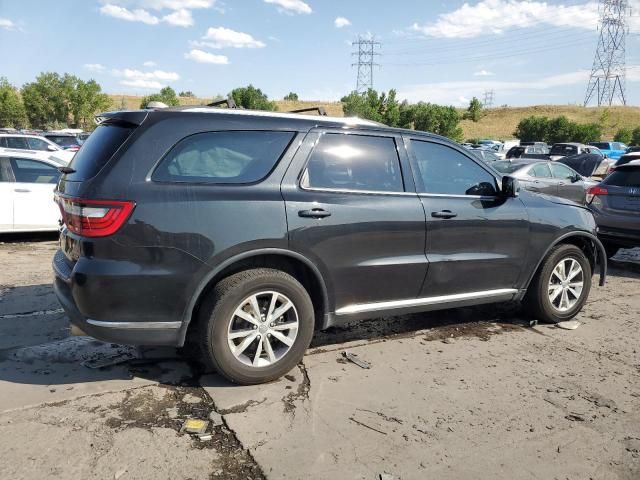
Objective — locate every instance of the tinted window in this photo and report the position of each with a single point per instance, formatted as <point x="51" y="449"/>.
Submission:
<point x="64" y="140"/>
<point x="222" y="157"/>
<point x="354" y="162"/>
<point x="33" y="171"/>
<point x="5" y="175"/>
<point x="540" y="170"/>
<point x="17" y="142"/>
<point x="561" y="171"/>
<point x="506" y="167"/>
<point x="443" y="170"/>
<point x="625" y="177"/>
<point x="601" y="145"/>
<point x="37" y="144"/>
<point x="97" y="150"/>
<point x="561" y="149"/>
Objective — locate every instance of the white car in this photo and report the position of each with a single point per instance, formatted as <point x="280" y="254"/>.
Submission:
<point x="27" y="182"/>
<point x="10" y="142"/>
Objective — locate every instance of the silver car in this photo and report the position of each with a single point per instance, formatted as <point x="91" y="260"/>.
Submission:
<point x="551" y="178"/>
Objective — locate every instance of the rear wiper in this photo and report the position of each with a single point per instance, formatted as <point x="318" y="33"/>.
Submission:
<point x="66" y="170"/>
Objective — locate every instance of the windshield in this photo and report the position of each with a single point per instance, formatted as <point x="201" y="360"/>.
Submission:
<point x="506" y="167"/>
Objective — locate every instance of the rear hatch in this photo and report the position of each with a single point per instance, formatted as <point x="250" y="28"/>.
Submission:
<point x="622" y="194"/>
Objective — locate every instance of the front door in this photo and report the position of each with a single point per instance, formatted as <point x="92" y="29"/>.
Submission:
<point x="569" y="185"/>
<point x="476" y="239"/>
<point x="354" y="214"/>
<point x="33" y="206"/>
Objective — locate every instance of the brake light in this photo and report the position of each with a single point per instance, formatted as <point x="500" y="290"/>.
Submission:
<point x="596" y="191"/>
<point x="94" y="218"/>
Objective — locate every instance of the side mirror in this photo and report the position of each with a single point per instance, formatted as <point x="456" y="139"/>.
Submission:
<point x="51" y="148"/>
<point x="510" y="187"/>
<point x="576" y="178"/>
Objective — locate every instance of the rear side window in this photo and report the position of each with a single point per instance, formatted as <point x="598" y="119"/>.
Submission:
<point x="37" y="144"/>
<point x="541" y="170"/>
<point x="33" y="171"/>
<point x="17" y="142"/>
<point x="625" y="177"/>
<point x="97" y="150"/>
<point x="223" y="157"/>
<point x="561" y="171"/>
<point x="354" y="162"/>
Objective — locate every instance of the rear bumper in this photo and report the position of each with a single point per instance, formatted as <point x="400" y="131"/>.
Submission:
<point x="123" y="332"/>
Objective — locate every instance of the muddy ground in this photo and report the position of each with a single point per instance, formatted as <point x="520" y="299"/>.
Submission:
<point x="468" y="393"/>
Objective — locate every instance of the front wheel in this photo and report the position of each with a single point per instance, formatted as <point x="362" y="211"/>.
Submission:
<point x="256" y="325"/>
<point x="561" y="286"/>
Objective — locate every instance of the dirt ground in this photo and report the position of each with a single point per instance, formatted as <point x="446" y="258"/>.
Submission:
<point x="458" y="394"/>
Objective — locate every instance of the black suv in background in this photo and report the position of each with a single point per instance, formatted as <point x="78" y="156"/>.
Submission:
<point x="237" y="233"/>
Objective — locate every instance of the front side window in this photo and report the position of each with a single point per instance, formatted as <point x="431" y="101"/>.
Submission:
<point x="354" y="162"/>
<point x="223" y="157"/>
<point x="443" y="170"/>
<point x="37" y="144"/>
<point x="540" y="170"/>
<point x="561" y="171"/>
<point x="33" y="171"/>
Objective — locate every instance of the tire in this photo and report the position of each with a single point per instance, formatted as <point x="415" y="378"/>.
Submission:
<point x="229" y="310"/>
<point x="538" y="302"/>
<point x="611" y="249"/>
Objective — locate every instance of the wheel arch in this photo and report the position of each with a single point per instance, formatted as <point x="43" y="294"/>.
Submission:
<point x="288" y="261"/>
<point x="588" y="243"/>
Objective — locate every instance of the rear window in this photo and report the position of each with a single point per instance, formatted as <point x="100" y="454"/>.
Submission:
<point x="625" y="177"/>
<point x="561" y="149"/>
<point x="64" y="141"/>
<point x="97" y="150"/>
<point x="600" y="145"/>
<point x="223" y="157"/>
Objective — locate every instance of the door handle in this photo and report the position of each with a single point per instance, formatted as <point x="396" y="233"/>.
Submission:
<point x="444" y="214"/>
<point x="22" y="190"/>
<point x="314" y="213"/>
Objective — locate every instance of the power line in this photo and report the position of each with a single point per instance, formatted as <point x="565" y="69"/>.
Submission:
<point x="488" y="98"/>
<point x="608" y="74"/>
<point x="366" y="53"/>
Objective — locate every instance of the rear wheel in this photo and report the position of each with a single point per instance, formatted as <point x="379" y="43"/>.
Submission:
<point x="256" y="325"/>
<point x="561" y="286"/>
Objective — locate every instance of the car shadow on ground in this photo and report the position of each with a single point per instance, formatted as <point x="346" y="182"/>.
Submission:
<point x="30" y="237"/>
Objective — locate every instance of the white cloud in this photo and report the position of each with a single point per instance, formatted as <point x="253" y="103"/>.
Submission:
<point x="179" y="18"/>
<point x="483" y="73"/>
<point x="94" y="67"/>
<point x="450" y="92"/>
<point x="179" y="4"/>
<point x="149" y="63"/>
<point x="142" y="83"/>
<point x="7" y="24"/>
<point x="206" y="57"/>
<point x="291" y="6"/>
<point x="221" y="37"/>
<point x="133" y="74"/>
<point x="137" y="15"/>
<point x="496" y="16"/>
<point x="340" y="22"/>
<point x="633" y="73"/>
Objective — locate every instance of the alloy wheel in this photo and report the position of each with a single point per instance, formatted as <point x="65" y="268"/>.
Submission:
<point x="566" y="284"/>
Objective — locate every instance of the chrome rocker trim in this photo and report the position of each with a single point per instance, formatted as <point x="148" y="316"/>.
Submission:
<point x="137" y="325"/>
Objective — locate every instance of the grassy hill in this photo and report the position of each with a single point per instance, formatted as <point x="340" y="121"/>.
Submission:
<point x="497" y="123"/>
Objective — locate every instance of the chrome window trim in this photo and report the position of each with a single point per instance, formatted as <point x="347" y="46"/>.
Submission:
<point x="136" y="325"/>
<point x="347" y="190"/>
<point x="447" y="195"/>
<point x="417" y="302"/>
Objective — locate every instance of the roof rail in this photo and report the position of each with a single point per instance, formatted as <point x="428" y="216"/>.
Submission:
<point x="321" y="110"/>
<point x="229" y="102"/>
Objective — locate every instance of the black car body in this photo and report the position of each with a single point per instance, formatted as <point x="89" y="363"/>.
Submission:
<point x="615" y="204"/>
<point x="168" y="211"/>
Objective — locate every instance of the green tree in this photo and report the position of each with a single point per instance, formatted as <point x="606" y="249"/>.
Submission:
<point x="624" y="135"/>
<point x="187" y="94"/>
<point x="46" y="100"/>
<point x="383" y="108"/>
<point x="167" y="96"/>
<point x="532" y="129"/>
<point x="438" y="119"/>
<point x="407" y="115"/>
<point x="252" y="98"/>
<point x="635" y="137"/>
<point x="587" y="132"/>
<point x="86" y="99"/>
<point x="12" y="112"/>
<point x="561" y="129"/>
<point x="474" y="112"/>
<point x="291" y="97"/>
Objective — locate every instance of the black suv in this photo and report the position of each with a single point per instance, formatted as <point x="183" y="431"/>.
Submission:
<point x="238" y="233"/>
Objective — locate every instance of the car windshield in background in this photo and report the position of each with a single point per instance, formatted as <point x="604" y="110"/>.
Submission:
<point x="564" y="150"/>
<point x="624" y="177"/>
<point x="506" y="167"/>
<point x="64" y="141"/>
<point x="600" y="145"/>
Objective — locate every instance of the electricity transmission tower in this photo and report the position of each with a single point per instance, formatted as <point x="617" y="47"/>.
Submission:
<point x="488" y="99"/>
<point x="607" y="81"/>
<point x="366" y="54"/>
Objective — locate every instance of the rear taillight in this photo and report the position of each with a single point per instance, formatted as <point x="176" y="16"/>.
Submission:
<point x="596" y="191"/>
<point x="94" y="218"/>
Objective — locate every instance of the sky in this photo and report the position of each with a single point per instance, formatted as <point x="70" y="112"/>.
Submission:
<point x="527" y="51"/>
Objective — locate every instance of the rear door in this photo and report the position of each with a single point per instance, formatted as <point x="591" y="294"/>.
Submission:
<point x="6" y="195"/>
<point x="353" y="211"/>
<point x="33" y="206"/>
<point x="568" y="187"/>
<point x="476" y="239"/>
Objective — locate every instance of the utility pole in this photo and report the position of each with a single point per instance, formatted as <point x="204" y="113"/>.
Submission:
<point x="488" y="98"/>
<point x="366" y="53"/>
<point x="607" y="80"/>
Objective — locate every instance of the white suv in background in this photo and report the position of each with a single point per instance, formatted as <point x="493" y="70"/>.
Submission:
<point x="27" y="181"/>
<point x="15" y="143"/>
